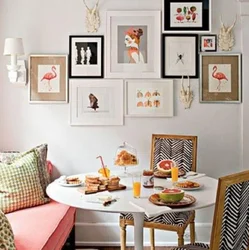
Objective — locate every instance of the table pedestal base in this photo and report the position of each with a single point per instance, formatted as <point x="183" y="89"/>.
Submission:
<point x="138" y="230"/>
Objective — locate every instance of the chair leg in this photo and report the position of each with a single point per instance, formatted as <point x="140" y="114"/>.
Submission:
<point x="192" y="230"/>
<point x="180" y="238"/>
<point x="152" y="238"/>
<point x="123" y="237"/>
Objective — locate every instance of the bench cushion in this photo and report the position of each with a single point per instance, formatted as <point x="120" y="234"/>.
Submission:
<point x="43" y="227"/>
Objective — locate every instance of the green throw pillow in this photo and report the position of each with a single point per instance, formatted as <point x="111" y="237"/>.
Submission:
<point x="6" y="234"/>
<point x="20" y="185"/>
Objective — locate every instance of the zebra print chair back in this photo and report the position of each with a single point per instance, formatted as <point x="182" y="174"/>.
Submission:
<point x="180" y="148"/>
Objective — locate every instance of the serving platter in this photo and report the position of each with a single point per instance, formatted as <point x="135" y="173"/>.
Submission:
<point x="160" y="174"/>
<point x="187" y="200"/>
<point x="64" y="184"/>
<point x="119" y="187"/>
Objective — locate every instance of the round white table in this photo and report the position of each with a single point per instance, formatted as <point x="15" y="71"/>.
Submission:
<point x="205" y="197"/>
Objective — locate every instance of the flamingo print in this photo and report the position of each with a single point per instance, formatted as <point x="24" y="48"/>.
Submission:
<point x="49" y="76"/>
<point x="219" y="76"/>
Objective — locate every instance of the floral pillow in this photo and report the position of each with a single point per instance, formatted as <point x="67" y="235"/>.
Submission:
<point x="6" y="234"/>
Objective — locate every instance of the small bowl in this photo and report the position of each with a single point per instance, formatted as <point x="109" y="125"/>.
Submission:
<point x="171" y="195"/>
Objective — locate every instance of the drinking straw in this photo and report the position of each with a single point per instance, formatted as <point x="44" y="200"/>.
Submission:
<point x="102" y="163"/>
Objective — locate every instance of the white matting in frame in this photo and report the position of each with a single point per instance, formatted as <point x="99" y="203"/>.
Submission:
<point x="149" y="98"/>
<point x="133" y="44"/>
<point x="96" y="102"/>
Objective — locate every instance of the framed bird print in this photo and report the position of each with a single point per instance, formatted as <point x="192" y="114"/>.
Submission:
<point x="220" y="78"/>
<point x="96" y="102"/>
<point x="179" y="55"/>
<point x="86" y="56"/>
<point x="48" y="79"/>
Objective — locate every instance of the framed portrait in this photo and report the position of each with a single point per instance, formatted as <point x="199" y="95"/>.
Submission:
<point x="179" y="55"/>
<point x="208" y="43"/>
<point x="220" y="78"/>
<point x="133" y="44"/>
<point x="149" y="98"/>
<point x="86" y="56"/>
<point x="96" y="102"/>
<point x="186" y="16"/>
<point x="48" y="79"/>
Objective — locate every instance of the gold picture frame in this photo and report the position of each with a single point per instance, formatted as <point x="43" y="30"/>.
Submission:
<point x="220" y="78"/>
<point x="48" y="79"/>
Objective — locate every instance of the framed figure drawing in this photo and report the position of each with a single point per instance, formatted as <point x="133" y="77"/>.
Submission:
<point x="179" y="55"/>
<point x="220" y="78"/>
<point x="48" y="79"/>
<point x="149" y="98"/>
<point x="186" y="16"/>
<point x="96" y="102"/>
<point x="86" y="56"/>
<point x="133" y="44"/>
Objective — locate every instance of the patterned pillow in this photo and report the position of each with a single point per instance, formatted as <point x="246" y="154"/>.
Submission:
<point x="8" y="157"/>
<point x="6" y="234"/>
<point x="20" y="185"/>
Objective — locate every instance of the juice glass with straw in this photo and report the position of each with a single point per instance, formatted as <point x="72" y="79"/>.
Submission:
<point x="174" y="172"/>
<point x="104" y="170"/>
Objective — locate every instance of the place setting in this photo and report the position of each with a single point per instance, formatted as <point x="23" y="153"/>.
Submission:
<point x="70" y="181"/>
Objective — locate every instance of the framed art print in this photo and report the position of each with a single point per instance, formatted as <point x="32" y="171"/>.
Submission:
<point x="96" y="102"/>
<point x="86" y="56"/>
<point x="208" y="43"/>
<point x="133" y="44"/>
<point x="149" y="98"/>
<point x="179" y="55"/>
<point x="48" y="79"/>
<point x="220" y="78"/>
<point x="186" y="16"/>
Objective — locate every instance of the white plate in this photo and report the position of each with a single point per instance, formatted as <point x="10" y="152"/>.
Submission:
<point x="64" y="184"/>
<point x="190" y="189"/>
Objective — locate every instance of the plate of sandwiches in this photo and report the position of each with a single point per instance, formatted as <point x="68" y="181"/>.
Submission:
<point x="188" y="185"/>
<point x="71" y="181"/>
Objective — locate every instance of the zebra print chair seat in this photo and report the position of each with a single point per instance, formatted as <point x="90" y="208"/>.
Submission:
<point x="195" y="246"/>
<point x="183" y="150"/>
<point x="231" y="217"/>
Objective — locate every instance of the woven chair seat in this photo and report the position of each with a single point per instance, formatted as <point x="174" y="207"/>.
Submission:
<point x="196" y="246"/>
<point x="176" y="219"/>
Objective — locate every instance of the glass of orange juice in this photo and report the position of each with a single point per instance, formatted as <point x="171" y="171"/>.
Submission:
<point x="136" y="185"/>
<point x="105" y="172"/>
<point x="174" y="173"/>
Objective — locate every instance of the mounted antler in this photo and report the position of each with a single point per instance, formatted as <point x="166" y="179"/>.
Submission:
<point x="222" y="24"/>
<point x="231" y="27"/>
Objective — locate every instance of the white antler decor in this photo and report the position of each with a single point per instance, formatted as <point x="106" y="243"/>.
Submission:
<point x="226" y="37"/>
<point x="186" y="95"/>
<point x="92" y="18"/>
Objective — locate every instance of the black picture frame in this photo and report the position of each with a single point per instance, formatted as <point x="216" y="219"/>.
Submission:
<point x="86" y="56"/>
<point x="213" y="39"/>
<point x="167" y="15"/>
<point x="169" y="61"/>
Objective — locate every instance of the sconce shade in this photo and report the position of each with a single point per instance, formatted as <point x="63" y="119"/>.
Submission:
<point x="13" y="46"/>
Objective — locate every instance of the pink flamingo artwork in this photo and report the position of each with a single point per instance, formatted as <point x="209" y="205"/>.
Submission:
<point x="219" y="76"/>
<point x="50" y="76"/>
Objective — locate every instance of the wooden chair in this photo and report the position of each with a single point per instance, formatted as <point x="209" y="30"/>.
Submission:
<point x="183" y="150"/>
<point x="231" y="217"/>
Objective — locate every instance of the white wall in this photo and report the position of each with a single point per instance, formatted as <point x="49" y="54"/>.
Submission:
<point x="45" y="27"/>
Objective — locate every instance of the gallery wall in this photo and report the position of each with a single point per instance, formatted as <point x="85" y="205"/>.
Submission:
<point x="45" y="27"/>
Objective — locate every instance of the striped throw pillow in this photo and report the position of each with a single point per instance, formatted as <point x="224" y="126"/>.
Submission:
<point x="6" y="234"/>
<point x="20" y="185"/>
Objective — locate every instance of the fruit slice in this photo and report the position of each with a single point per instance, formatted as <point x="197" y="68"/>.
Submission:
<point x="171" y="195"/>
<point x="165" y="165"/>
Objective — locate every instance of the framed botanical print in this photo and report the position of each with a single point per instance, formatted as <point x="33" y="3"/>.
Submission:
<point x="48" y="79"/>
<point x="208" y="43"/>
<point x="186" y="16"/>
<point x="96" y="102"/>
<point x="149" y="98"/>
<point x="133" y="44"/>
<point x="179" y="55"/>
<point x="220" y="78"/>
<point x="86" y="56"/>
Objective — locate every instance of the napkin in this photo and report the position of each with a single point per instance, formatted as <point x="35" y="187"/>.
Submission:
<point x="148" y="208"/>
<point x="191" y="175"/>
<point x="99" y="197"/>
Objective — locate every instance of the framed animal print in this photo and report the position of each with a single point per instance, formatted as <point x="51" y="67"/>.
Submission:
<point x="179" y="55"/>
<point x="48" y="79"/>
<point x="220" y="78"/>
<point x="96" y="102"/>
<point x="186" y="16"/>
<point x="208" y="43"/>
<point x="86" y="56"/>
<point x="133" y="44"/>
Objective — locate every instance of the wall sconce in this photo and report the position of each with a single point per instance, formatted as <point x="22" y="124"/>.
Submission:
<point x="17" y="71"/>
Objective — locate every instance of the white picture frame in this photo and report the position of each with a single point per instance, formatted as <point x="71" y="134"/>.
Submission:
<point x="133" y="44"/>
<point x="96" y="102"/>
<point x="149" y="98"/>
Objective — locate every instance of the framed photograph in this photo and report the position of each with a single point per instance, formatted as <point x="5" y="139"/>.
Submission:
<point x="220" y="78"/>
<point x="86" y="56"/>
<point x="133" y="44"/>
<point x="179" y="55"/>
<point x="149" y="98"/>
<point x="48" y="79"/>
<point x="96" y="102"/>
<point x="186" y="16"/>
<point x="208" y="43"/>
